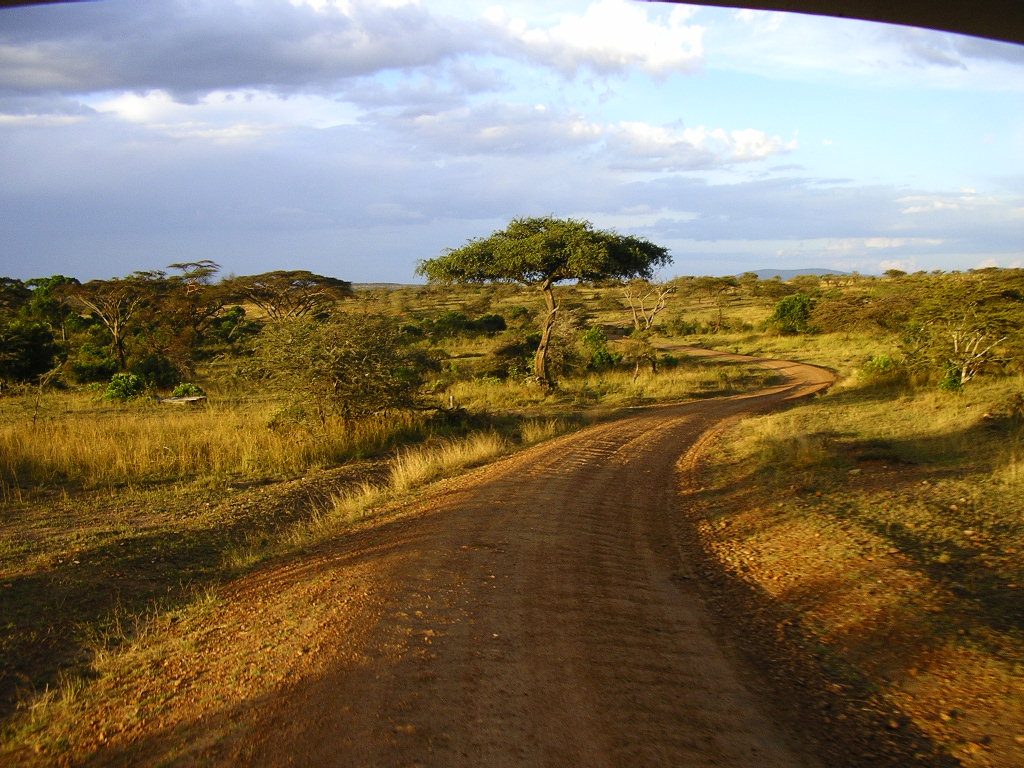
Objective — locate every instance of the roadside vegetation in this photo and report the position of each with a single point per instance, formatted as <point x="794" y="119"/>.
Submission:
<point x="165" y="432"/>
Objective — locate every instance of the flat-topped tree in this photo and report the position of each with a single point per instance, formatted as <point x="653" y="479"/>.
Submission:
<point x="287" y="294"/>
<point x="541" y="252"/>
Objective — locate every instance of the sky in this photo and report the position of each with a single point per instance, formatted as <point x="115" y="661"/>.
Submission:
<point x="353" y="138"/>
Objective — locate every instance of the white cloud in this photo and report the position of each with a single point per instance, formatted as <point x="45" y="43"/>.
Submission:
<point x="610" y="36"/>
<point x="859" y="244"/>
<point x="497" y="128"/>
<point x="1005" y="263"/>
<point x="39" y="121"/>
<point x="644" y="146"/>
<point x="224" y="115"/>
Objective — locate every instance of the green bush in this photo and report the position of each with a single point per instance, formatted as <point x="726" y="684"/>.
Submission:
<point x="188" y="389"/>
<point x="27" y="350"/>
<point x="157" y="370"/>
<point x="596" y="342"/>
<point x="793" y="314"/>
<point x="124" y="386"/>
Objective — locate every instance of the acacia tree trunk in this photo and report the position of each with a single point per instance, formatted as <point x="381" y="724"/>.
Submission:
<point x="540" y="361"/>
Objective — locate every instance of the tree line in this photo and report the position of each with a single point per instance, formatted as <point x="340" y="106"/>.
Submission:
<point x="154" y="324"/>
<point x="158" y="326"/>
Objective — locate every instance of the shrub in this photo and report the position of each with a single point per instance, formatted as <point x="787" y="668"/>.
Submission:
<point x="92" y="365"/>
<point x="157" y="370"/>
<point x="27" y="350"/>
<point x="124" y="386"/>
<point x="188" y="389"/>
<point x="596" y="342"/>
<point x="793" y="314"/>
<point x="353" y="365"/>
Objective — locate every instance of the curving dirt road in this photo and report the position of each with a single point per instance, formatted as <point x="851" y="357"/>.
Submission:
<point x="538" y="611"/>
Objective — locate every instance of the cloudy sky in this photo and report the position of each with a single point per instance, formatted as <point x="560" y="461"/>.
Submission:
<point x="355" y="137"/>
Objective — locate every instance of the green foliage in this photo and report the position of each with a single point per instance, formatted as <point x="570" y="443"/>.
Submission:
<point x="792" y="314"/>
<point x="188" y="389"/>
<point x="27" y="350"/>
<point x="157" y="370"/>
<point x="596" y="342"/>
<point x="124" y="386"/>
<point x="884" y="370"/>
<point x="14" y="294"/>
<point x="289" y="293"/>
<point x="232" y="327"/>
<point x="964" y="327"/>
<point x="351" y="365"/>
<point x="92" y="364"/>
<point x="519" y="315"/>
<point x="536" y="251"/>
<point x="451" y="324"/>
<point x="542" y="252"/>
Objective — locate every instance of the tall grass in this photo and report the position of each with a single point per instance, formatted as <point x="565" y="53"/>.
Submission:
<point x="417" y="466"/>
<point x="91" y="445"/>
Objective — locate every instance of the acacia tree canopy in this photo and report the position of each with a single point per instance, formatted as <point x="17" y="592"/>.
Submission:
<point x="295" y="293"/>
<point x="543" y="251"/>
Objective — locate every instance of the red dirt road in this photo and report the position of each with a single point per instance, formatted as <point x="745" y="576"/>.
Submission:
<point x="539" y="611"/>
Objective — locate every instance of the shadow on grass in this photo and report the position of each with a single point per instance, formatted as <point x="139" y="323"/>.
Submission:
<point x="816" y="686"/>
<point x="990" y="595"/>
<point x="983" y="607"/>
<point x="53" y="618"/>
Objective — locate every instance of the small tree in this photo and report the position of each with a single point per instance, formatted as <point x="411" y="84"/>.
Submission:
<point x="596" y="343"/>
<point x="115" y="303"/>
<point x="352" y="364"/>
<point x="793" y="314"/>
<point x="541" y="252"/>
<point x="27" y="350"/>
<point x="717" y="289"/>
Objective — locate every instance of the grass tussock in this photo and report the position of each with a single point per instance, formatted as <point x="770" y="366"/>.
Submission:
<point x="415" y="467"/>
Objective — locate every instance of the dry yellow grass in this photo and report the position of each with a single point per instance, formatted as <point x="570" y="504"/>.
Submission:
<point x="77" y="441"/>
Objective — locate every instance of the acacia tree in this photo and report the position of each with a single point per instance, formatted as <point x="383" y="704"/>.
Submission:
<point x="115" y="303"/>
<point x="541" y="252"/>
<point x="716" y="289"/>
<point x="289" y="294"/>
<point x="959" y="330"/>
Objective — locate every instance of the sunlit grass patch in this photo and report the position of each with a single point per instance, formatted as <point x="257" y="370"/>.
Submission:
<point x="81" y="442"/>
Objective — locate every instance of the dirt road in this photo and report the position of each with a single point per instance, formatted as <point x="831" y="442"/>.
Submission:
<point x="538" y="611"/>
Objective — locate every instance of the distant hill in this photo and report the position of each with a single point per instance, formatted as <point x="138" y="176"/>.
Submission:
<point x="379" y="286"/>
<point x="785" y="274"/>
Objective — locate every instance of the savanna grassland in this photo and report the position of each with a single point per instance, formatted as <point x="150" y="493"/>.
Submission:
<point x="871" y="538"/>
